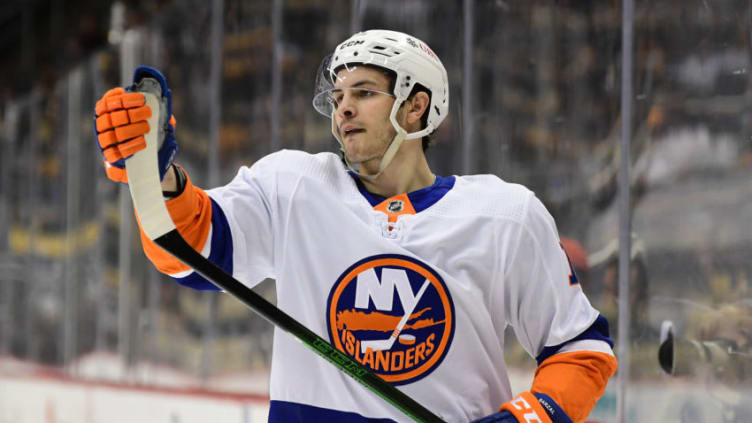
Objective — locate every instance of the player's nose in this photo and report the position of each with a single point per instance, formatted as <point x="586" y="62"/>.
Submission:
<point x="347" y="109"/>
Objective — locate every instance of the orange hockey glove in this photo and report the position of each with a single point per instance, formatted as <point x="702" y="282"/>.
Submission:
<point x="121" y="124"/>
<point x="528" y="408"/>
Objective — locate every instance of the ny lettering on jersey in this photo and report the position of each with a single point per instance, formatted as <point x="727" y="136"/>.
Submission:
<point x="401" y="337"/>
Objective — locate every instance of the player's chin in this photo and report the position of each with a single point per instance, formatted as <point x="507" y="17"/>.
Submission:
<point x="354" y="158"/>
<point x="353" y="142"/>
<point x="354" y="153"/>
<point x="363" y="162"/>
<point x="358" y="150"/>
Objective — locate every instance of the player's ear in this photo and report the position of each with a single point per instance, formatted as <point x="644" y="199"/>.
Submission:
<point x="417" y="106"/>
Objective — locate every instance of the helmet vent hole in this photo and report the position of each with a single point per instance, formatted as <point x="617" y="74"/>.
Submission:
<point x="355" y="53"/>
<point x="437" y="110"/>
<point x="379" y="47"/>
<point x="391" y="39"/>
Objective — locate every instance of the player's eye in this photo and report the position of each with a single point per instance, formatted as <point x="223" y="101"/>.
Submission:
<point x="363" y="93"/>
<point x="335" y="99"/>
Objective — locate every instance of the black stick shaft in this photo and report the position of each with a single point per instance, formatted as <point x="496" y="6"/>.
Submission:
<point x="174" y="244"/>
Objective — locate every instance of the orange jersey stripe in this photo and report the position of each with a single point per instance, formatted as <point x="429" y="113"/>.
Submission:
<point x="575" y="380"/>
<point x="191" y="212"/>
<point x="396" y="206"/>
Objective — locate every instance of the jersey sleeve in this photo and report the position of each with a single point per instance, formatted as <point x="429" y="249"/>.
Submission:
<point x="230" y="225"/>
<point x="194" y="215"/>
<point x="543" y="300"/>
<point x="553" y="319"/>
<point x="249" y="203"/>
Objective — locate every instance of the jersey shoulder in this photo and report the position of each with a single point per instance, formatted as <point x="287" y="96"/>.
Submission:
<point x="491" y="195"/>
<point x="294" y="174"/>
<point x="292" y="165"/>
<point x="301" y="162"/>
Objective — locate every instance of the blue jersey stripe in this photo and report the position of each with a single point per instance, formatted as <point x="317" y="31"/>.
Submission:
<point x="221" y="251"/>
<point x="553" y="410"/>
<point x="597" y="331"/>
<point x="420" y="199"/>
<point x="291" y="412"/>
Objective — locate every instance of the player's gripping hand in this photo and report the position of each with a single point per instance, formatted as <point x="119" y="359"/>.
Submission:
<point x="121" y="124"/>
<point x="528" y="408"/>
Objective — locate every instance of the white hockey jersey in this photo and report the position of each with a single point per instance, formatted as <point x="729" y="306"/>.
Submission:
<point x="418" y="288"/>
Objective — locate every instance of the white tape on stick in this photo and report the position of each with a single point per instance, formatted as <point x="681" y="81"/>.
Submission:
<point x="143" y="180"/>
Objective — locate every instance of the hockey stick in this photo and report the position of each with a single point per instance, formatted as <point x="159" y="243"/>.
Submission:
<point x="146" y="191"/>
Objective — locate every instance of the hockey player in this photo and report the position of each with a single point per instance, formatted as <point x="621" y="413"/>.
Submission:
<point x="466" y="256"/>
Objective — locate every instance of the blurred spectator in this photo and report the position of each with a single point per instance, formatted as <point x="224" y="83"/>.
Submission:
<point x="731" y="324"/>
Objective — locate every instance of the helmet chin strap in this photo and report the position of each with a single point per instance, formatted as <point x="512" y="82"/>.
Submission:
<point x="394" y="146"/>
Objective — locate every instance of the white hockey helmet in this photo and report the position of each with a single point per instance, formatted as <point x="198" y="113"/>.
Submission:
<point x="411" y="60"/>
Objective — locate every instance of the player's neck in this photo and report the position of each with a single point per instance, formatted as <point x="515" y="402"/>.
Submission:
<point x="407" y="172"/>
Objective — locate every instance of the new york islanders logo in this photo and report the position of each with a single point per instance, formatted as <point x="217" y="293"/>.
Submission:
<point x="402" y="337"/>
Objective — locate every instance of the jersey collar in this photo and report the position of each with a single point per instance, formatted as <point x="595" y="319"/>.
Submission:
<point x="420" y="199"/>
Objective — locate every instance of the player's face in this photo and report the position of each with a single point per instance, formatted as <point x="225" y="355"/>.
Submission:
<point x="362" y="113"/>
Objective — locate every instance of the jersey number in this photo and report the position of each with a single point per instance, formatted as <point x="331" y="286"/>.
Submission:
<point x="573" y="280"/>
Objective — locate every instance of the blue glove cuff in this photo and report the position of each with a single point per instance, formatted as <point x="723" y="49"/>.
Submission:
<point x="167" y="151"/>
<point x="553" y="410"/>
<point x="499" y="417"/>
